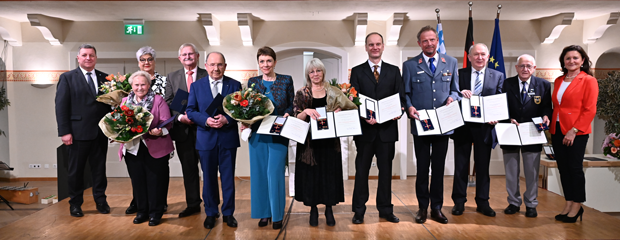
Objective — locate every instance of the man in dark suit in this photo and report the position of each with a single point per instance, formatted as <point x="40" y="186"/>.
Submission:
<point x="377" y="80"/>
<point x="528" y="97"/>
<point x="184" y="130"/>
<point x="431" y="81"/>
<point x="482" y="81"/>
<point x="217" y="140"/>
<point x="77" y="115"/>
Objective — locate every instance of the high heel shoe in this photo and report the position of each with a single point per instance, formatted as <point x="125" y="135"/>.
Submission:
<point x="277" y="225"/>
<point x="329" y="216"/>
<point x="314" y="216"/>
<point x="579" y="215"/>
<point x="264" y="222"/>
<point x="560" y="217"/>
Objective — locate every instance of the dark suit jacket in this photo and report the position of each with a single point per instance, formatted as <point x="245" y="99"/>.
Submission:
<point x="493" y="84"/>
<point x="390" y="83"/>
<point x="77" y="110"/>
<point x="536" y="105"/>
<point x="199" y="100"/>
<point x="178" y="80"/>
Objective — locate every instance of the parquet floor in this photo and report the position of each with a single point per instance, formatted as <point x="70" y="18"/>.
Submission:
<point x="54" y="221"/>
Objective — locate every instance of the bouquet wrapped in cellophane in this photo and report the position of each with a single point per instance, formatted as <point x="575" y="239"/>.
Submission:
<point x="126" y="123"/>
<point x="611" y="146"/>
<point x="114" y="89"/>
<point x="348" y="91"/>
<point x="247" y="106"/>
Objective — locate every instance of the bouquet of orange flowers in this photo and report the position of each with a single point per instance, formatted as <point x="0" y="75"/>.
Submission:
<point x="247" y="105"/>
<point x="611" y="146"/>
<point x="348" y="91"/>
<point x="126" y="123"/>
<point x="114" y="89"/>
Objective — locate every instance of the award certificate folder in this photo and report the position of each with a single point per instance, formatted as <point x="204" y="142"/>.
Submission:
<point x="439" y="121"/>
<point x="216" y="106"/>
<point x="342" y="124"/>
<point x="385" y="109"/>
<point x="524" y="134"/>
<point x="171" y="119"/>
<point x="179" y="102"/>
<point x="288" y="127"/>
<point x="549" y="152"/>
<point x="485" y="109"/>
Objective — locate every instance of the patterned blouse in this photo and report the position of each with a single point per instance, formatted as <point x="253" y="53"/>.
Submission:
<point x="158" y="84"/>
<point x="282" y="89"/>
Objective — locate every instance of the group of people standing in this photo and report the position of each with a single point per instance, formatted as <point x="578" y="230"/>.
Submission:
<point x="429" y="80"/>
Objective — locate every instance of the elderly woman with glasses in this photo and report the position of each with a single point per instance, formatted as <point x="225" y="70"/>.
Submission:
<point x="146" y="61"/>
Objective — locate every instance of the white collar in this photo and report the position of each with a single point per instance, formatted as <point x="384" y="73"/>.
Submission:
<point x="426" y="58"/>
<point x="84" y="71"/>
<point x="193" y="70"/>
<point x="372" y="65"/>
<point x="215" y="80"/>
<point x="473" y="70"/>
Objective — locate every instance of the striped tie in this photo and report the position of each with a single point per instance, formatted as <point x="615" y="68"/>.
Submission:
<point x="478" y="87"/>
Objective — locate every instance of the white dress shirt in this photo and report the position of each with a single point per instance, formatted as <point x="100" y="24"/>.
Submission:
<point x="372" y="66"/>
<point x="93" y="76"/>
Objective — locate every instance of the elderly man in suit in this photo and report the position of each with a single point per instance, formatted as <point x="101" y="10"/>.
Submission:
<point x="377" y="80"/>
<point x="528" y="97"/>
<point x="77" y="115"/>
<point x="482" y="81"/>
<point x="217" y="139"/>
<point x="184" y="130"/>
<point x="431" y="81"/>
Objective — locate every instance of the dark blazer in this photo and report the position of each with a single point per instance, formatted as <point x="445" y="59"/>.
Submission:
<point x="536" y="105"/>
<point x="178" y="80"/>
<point x="77" y="110"/>
<point x="390" y="83"/>
<point x="493" y="84"/>
<point x="426" y="90"/>
<point x="199" y="100"/>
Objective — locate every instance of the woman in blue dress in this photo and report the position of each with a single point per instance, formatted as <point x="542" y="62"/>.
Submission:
<point x="268" y="154"/>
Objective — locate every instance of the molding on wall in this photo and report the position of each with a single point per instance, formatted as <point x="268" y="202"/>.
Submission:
<point x="29" y="179"/>
<point x="39" y="76"/>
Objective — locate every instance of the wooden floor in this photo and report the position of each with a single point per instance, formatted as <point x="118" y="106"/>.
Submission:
<point x="54" y="221"/>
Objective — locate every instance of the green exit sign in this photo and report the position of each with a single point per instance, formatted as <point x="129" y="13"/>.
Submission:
<point x="134" y="29"/>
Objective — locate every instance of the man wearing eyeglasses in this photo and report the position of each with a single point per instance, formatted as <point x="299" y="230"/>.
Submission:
<point x="184" y="130"/>
<point x="528" y="97"/>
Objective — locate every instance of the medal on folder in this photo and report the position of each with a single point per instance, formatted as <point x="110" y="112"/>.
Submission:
<point x="277" y="125"/>
<point x="322" y="120"/>
<point x="540" y="125"/>
<point x="427" y="125"/>
<point x="475" y="107"/>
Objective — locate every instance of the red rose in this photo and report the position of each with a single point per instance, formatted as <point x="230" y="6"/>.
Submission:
<point x="133" y="129"/>
<point x="244" y="103"/>
<point x="129" y="113"/>
<point x="129" y="120"/>
<point x="139" y="129"/>
<point x="124" y="108"/>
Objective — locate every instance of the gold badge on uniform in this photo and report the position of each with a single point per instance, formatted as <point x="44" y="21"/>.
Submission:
<point x="537" y="99"/>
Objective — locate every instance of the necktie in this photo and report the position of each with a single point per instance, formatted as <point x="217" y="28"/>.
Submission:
<point x="190" y="79"/>
<point x="524" y="92"/>
<point x="431" y="65"/>
<point x="214" y="88"/>
<point x="478" y="87"/>
<point x="91" y="85"/>
<point x="376" y="73"/>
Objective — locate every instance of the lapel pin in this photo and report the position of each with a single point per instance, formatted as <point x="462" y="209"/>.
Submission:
<point x="443" y="60"/>
<point x="419" y="61"/>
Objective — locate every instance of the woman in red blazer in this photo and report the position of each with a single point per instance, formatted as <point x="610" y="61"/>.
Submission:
<point x="574" y="107"/>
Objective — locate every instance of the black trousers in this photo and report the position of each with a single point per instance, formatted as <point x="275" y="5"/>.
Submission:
<point x="384" y="151"/>
<point x="150" y="178"/>
<point x="189" y="158"/>
<point x="435" y="159"/>
<point x="93" y="151"/>
<point x="570" y="165"/>
<point x="482" y="159"/>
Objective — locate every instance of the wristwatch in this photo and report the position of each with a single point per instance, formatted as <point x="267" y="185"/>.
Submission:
<point x="575" y="129"/>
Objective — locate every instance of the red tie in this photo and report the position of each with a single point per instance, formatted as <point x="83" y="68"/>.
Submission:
<point x="190" y="79"/>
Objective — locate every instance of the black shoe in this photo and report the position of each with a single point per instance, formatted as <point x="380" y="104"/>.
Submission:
<point x="264" y="222"/>
<point x="438" y="216"/>
<point x="358" y="219"/>
<point x="314" y="216"/>
<point x="531" y="212"/>
<point x="131" y="209"/>
<point x="76" y="211"/>
<point x="166" y="208"/>
<point x="140" y="218"/>
<point x="230" y="221"/>
<point x="277" y="225"/>
<point x="512" y="209"/>
<point x="329" y="216"/>
<point x="390" y="217"/>
<point x="209" y="222"/>
<point x="579" y="215"/>
<point x="560" y="217"/>
<point x="154" y="221"/>
<point x="421" y="216"/>
<point x="103" y="208"/>
<point x="189" y="211"/>
<point x="458" y="209"/>
<point x="486" y="210"/>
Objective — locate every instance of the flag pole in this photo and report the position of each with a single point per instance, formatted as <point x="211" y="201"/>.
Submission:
<point x="438" y="18"/>
<point x="499" y="9"/>
<point x="470" y="11"/>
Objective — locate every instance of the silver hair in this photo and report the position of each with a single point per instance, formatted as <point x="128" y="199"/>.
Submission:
<point x="526" y="56"/>
<point x="145" y="50"/>
<point x="187" y="45"/>
<point x="312" y="64"/>
<point x="221" y="54"/>
<point x="87" y="46"/>
<point x="481" y="44"/>
<point x="140" y="73"/>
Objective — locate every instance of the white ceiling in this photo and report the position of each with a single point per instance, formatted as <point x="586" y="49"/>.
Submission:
<point x="300" y="10"/>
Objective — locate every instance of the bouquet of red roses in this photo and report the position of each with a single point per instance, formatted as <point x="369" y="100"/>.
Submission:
<point x="126" y="123"/>
<point x="115" y="89"/>
<point x="247" y="105"/>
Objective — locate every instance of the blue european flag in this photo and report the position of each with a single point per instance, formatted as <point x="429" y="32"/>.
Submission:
<point x="496" y="56"/>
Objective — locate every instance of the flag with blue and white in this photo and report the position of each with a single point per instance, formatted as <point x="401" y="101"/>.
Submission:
<point x="442" y="46"/>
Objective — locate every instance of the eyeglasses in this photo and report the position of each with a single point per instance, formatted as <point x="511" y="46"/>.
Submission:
<point x="147" y="59"/>
<point x="219" y="65"/>
<point x="188" y="54"/>
<point x="525" y="66"/>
